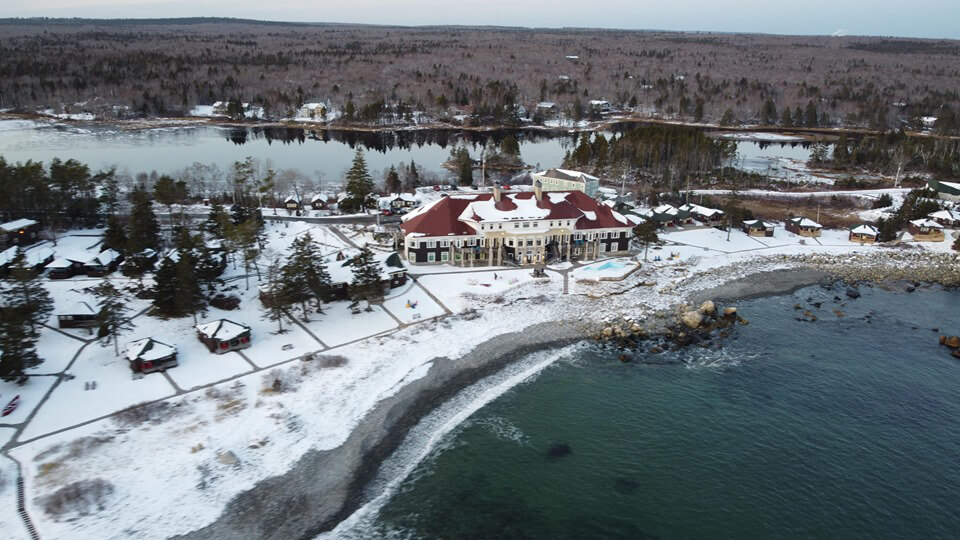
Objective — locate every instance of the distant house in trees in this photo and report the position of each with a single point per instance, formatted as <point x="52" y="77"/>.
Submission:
<point x="313" y="111"/>
<point x="223" y="335"/>
<point x="758" y="227"/>
<point x="547" y="109"/>
<point x="601" y="105"/>
<point x="21" y="232"/>
<point x="926" y="230"/>
<point x="864" y="233"/>
<point x="148" y="355"/>
<point x="80" y="315"/>
<point x="802" y="226"/>
<point x="393" y="271"/>
<point x="103" y="263"/>
<point x="398" y="203"/>
<point x="145" y="260"/>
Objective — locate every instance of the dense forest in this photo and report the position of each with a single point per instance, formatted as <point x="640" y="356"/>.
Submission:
<point x="493" y="76"/>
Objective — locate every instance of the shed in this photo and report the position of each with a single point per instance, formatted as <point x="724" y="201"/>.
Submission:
<point x="148" y="355"/>
<point x="864" y="233"/>
<point x="802" y="226"/>
<point x="758" y="227"/>
<point x="80" y="315"/>
<point x="223" y="335"/>
<point x="291" y="203"/>
<point x="20" y="232"/>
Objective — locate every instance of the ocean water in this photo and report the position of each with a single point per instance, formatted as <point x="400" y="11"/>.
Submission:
<point x="847" y="427"/>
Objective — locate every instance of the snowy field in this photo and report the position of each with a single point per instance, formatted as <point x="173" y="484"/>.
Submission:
<point x="30" y="395"/>
<point x="57" y="350"/>
<point x="338" y="325"/>
<point x="414" y="305"/>
<point x="460" y="291"/>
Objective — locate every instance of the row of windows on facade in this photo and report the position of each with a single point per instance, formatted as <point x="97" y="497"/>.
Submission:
<point x="523" y="224"/>
<point x="445" y="256"/>
<point x="429" y="244"/>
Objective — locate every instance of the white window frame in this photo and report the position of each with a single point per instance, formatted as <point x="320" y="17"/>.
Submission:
<point x="431" y="257"/>
<point x="431" y="244"/>
<point x="444" y="256"/>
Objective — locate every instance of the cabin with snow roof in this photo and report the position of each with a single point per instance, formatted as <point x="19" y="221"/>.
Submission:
<point x="864" y="233"/>
<point x="802" y="226"/>
<point x="926" y="230"/>
<point x="398" y="203"/>
<point x="523" y="228"/>
<point x="148" y="355"/>
<point x="65" y="268"/>
<point x="223" y="335"/>
<point x="707" y="216"/>
<point x="758" y="227"/>
<point x="322" y="201"/>
<point x="20" y="232"/>
<point x="291" y="203"/>
<point x="80" y="315"/>
<point x="947" y="218"/>
<point x="103" y="263"/>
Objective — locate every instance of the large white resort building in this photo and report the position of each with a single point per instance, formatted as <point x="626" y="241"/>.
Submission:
<point x="564" y="180"/>
<point x="531" y="227"/>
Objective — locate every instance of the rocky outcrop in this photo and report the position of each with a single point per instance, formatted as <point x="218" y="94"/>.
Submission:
<point x="692" y="319"/>
<point x="952" y="341"/>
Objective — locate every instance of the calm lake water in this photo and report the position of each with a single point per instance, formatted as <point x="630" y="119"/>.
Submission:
<point x="167" y="150"/>
<point x="842" y="428"/>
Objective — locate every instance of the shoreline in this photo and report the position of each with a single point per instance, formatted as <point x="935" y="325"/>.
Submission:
<point x="325" y="487"/>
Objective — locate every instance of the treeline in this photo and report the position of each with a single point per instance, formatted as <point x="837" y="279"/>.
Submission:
<point x="475" y="76"/>
<point x="664" y="155"/>
<point x="894" y="153"/>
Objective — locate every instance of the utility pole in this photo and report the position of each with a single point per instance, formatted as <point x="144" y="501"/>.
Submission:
<point x="818" y="213"/>
<point x="483" y="167"/>
<point x="729" y="226"/>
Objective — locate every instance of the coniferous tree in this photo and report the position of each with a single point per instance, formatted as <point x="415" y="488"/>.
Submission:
<point x="216" y="221"/>
<point x="165" y="288"/>
<point x="359" y="183"/>
<point x="115" y="237"/>
<point x="25" y="306"/>
<point x="169" y="192"/>
<point x="727" y="119"/>
<point x="305" y="275"/>
<point x="393" y="184"/>
<point x="811" y="116"/>
<point x="798" y="117"/>
<point x="366" y="284"/>
<point x="646" y="233"/>
<point x="112" y="317"/>
<point x="144" y="230"/>
<point x="956" y="244"/>
<point x="411" y="180"/>
<point x="276" y="295"/>
<point x="768" y="113"/>
<point x="465" y="167"/>
<point x="786" y="119"/>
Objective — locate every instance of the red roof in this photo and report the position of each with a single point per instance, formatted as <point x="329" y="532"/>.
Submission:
<point x="442" y="218"/>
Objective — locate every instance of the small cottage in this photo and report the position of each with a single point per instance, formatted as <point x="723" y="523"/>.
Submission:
<point x="21" y="232"/>
<point x="64" y="268"/>
<point x="707" y="216"/>
<point x="947" y="218"/>
<point x="105" y="262"/>
<point x="223" y="335"/>
<point x="148" y="355"/>
<point x="291" y="203"/>
<point x="926" y="230"/>
<point x="35" y="259"/>
<point x="140" y="262"/>
<point x="758" y="227"/>
<point x="802" y="226"/>
<point x="864" y="233"/>
<point x="320" y="201"/>
<point x="80" y="315"/>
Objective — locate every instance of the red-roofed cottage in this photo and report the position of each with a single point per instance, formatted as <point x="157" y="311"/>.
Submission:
<point x="532" y="227"/>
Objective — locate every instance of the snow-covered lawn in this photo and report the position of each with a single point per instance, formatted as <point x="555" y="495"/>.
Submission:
<point x="337" y="325"/>
<point x="115" y="389"/>
<point x="6" y="433"/>
<point x="414" y="305"/>
<point x="709" y="238"/>
<point x="56" y="350"/>
<point x="197" y="366"/>
<point x="30" y="395"/>
<point x="455" y="290"/>
<point x="281" y="235"/>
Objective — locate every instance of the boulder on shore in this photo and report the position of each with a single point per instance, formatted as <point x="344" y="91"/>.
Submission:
<point x="708" y="308"/>
<point x="730" y="312"/>
<point x="692" y="319"/>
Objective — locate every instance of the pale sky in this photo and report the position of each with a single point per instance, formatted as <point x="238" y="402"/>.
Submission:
<point x="917" y="18"/>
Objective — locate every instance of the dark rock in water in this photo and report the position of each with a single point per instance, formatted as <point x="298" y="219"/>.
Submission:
<point x="956" y="353"/>
<point x="953" y="341"/>
<point x="817" y="304"/>
<point x="934" y="329"/>
<point x="624" y="358"/>
<point x="809" y="299"/>
<point x="853" y="293"/>
<point x="836" y="298"/>
<point x="798" y="306"/>
<point x="913" y="327"/>
<point x="656" y="350"/>
<point x="558" y="451"/>
<point x="625" y="486"/>
<point x="911" y="289"/>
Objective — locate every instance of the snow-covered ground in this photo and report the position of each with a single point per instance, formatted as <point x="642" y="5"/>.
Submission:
<point x="460" y="291"/>
<point x="414" y="305"/>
